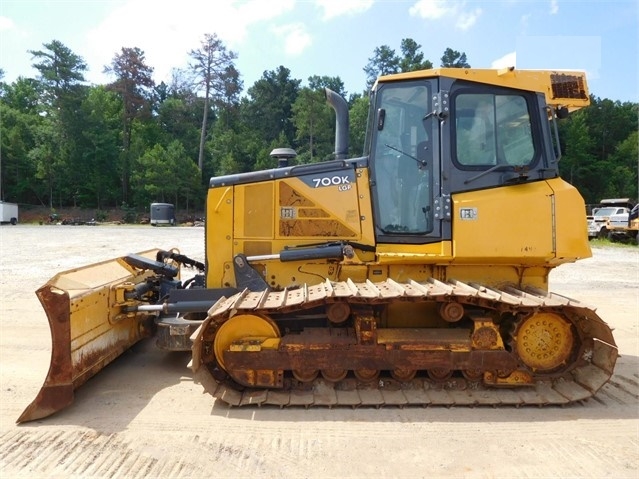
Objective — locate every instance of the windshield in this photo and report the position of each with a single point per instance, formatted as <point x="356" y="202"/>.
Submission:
<point x="605" y="211"/>
<point x="403" y="158"/>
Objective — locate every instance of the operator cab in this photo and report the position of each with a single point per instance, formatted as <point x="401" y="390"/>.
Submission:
<point x="432" y="137"/>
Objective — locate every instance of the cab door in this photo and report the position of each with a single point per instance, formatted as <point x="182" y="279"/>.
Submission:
<point x="405" y="165"/>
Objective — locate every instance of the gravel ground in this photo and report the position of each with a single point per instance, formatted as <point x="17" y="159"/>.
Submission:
<point x="143" y="416"/>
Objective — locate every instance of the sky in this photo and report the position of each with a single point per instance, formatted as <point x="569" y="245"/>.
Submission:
<point x="333" y="37"/>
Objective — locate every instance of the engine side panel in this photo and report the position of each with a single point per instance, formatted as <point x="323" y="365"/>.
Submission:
<point x="266" y="217"/>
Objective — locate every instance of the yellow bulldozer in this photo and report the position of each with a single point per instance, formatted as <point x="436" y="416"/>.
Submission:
<point x="415" y="274"/>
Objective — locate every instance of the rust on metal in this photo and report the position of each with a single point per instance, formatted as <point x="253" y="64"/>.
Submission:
<point x="87" y="328"/>
<point x="57" y="391"/>
<point x="466" y="363"/>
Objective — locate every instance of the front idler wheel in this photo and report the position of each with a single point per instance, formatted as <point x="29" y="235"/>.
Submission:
<point x="240" y="327"/>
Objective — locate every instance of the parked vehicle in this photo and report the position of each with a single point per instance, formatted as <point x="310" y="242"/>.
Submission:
<point x="625" y="226"/>
<point x="162" y="214"/>
<point x="598" y="221"/>
<point x="8" y="213"/>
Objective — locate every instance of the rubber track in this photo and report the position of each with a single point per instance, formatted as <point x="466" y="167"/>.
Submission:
<point x="594" y="370"/>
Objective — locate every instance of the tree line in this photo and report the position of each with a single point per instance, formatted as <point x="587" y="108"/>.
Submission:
<point x="132" y="142"/>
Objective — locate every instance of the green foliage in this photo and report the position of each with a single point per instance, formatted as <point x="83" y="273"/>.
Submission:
<point x="576" y="160"/>
<point x="60" y="72"/>
<point x="130" y="213"/>
<point x="268" y="110"/>
<point x="599" y="145"/>
<point x="23" y="95"/>
<point x="606" y="243"/>
<point x="215" y="75"/>
<point x="179" y="118"/>
<point x="412" y="58"/>
<point x="624" y="162"/>
<point x="134" y="84"/>
<point x="453" y="59"/>
<point x="57" y="152"/>
<point x="231" y="150"/>
<point x="165" y="175"/>
<point x="385" y="62"/>
<point x="19" y="122"/>
<point x="318" y="83"/>
<point x="358" y="115"/>
<point x="101" y="215"/>
<point x="101" y="111"/>
<point x="313" y="119"/>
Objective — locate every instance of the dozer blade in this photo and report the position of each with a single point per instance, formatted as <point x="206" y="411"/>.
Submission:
<point x="89" y="327"/>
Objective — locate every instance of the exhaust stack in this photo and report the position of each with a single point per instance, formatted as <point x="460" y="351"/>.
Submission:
<point x="341" y="123"/>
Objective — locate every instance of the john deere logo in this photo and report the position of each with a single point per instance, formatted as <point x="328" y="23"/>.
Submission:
<point x="468" y="213"/>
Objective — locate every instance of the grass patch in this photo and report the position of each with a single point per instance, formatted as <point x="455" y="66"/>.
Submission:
<point x="604" y="242"/>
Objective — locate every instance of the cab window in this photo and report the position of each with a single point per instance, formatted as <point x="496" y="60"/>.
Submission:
<point x="492" y="129"/>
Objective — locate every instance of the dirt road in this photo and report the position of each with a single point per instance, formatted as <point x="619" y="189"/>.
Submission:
<point x="144" y="417"/>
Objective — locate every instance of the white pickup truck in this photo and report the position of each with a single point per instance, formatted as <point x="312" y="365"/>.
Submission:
<point x="599" y="220"/>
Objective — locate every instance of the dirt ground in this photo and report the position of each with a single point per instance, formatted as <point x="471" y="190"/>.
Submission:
<point x="143" y="416"/>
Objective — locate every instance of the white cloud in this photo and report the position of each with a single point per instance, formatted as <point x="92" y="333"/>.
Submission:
<point x="437" y="9"/>
<point x="6" y="24"/>
<point x="430" y="9"/>
<point x="337" y="8"/>
<point x="249" y="13"/>
<point x="468" y="19"/>
<point x="166" y="34"/>
<point x="554" y="7"/>
<point x="508" y="60"/>
<point x="296" y="38"/>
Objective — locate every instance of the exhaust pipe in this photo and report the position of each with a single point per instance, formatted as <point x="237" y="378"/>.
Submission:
<point x="341" y="123"/>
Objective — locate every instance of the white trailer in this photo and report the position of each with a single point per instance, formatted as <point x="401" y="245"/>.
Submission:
<point x="8" y="213"/>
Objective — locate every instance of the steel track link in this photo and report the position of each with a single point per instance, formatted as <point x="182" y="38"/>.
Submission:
<point x="595" y="367"/>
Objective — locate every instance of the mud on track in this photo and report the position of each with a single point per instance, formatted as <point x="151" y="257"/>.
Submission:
<point x="144" y="417"/>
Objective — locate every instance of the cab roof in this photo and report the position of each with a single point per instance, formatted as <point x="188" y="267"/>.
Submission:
<point x="562" y="88"/>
